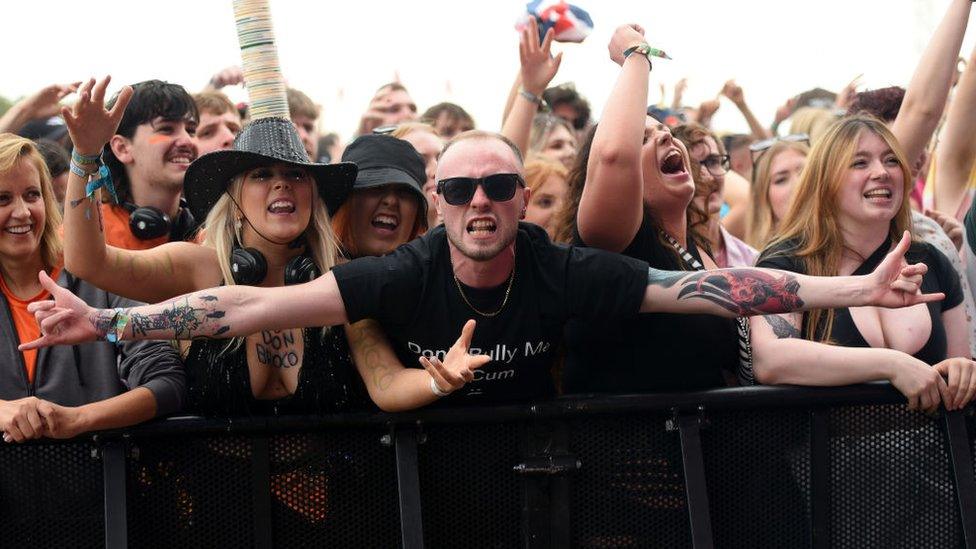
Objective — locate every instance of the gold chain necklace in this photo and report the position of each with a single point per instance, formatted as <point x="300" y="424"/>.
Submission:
<point x="511" y="279"/>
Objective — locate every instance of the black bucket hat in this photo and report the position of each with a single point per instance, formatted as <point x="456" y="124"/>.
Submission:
<point x="386" y="160"/>
<point x="262" y="142"/>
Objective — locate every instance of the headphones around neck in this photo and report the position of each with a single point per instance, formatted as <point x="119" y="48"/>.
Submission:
<point x="249" y="267"/>
<point x="148" y="222"/>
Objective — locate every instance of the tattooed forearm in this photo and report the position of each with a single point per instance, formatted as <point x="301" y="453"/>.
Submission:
<point x="781" y="327"/>
<point x="102" y="320"/>
<point x="744" y="292"/>
<point x="366" y="346"/>
<point x="181" y="320"/>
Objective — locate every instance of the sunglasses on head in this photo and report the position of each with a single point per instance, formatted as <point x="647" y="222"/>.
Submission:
<point x="759" y="147"/>
<point x="499" y="187"/>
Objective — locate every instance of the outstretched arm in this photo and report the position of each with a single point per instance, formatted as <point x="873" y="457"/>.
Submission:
<point x="612" y="205"/>
<point x="228" y="311"/>
<point x="925" y="97"/>
<point x="957" y="149"/>
<point x="754" y="291"/>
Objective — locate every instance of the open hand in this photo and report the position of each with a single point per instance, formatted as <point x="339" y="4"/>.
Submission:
<point x="90" y="125"/>
<point x="66" y="319"/>
<point x="45" y="102"/>
<point x="457" y="368"/>
<point x="895" y="283"/>
<point x="539" y="67"/>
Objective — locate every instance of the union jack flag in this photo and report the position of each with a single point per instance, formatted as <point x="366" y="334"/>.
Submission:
<point x="570" y="23"/>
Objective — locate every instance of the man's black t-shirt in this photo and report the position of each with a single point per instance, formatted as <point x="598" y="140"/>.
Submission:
<point x="969" y="222"/>
<point x="941" y="277"/>
<point x="653" y="351"/>
<point x="412" y="293"/>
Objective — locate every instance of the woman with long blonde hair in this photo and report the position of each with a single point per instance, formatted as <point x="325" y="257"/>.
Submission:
<point x="849" y="208"/>
<point x="775" y="172"/>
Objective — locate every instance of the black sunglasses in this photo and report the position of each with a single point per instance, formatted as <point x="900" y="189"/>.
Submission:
<point x="498" y="187"/>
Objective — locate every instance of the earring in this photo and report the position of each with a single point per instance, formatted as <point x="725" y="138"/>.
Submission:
<point x="523" y="213"/>
<point x="238" y="225"/>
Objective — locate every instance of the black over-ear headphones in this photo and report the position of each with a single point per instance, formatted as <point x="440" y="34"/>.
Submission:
<point x="148" y="222"/>
<point x="249" y="267"/>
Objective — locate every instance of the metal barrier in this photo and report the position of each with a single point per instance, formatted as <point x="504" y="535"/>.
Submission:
<point x="744" y="467"/>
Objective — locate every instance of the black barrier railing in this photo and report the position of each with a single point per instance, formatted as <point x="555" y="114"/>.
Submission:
<point x="745" y="467"/>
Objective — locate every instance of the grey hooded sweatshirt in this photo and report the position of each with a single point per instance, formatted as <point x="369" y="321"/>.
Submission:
<point x="73" y="375"/>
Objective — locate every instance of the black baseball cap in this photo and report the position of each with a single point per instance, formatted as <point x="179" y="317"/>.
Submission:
<point x="386" y="160"/>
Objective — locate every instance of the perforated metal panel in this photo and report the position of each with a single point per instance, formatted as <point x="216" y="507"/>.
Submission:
<point x="471" y="496"/>
<point x="51" y="496"/>
<point x="758" y="468"/>
<point x="630" y="489"/>
<point x="190" y="492"/>
<point x="334" y="489"/>
<point x="890" y="480"/>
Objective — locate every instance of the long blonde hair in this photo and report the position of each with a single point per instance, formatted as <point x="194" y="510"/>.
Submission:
<point x="223" y="231"/>
<point x="811" y="228"/>
<point x="13" y="149"/>
<point x="761" y="226"/>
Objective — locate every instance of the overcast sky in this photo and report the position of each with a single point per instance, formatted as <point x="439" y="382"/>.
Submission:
<point x="466" y="52"/>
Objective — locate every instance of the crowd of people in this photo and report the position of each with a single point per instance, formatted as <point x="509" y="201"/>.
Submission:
<point x="429" y="262"/>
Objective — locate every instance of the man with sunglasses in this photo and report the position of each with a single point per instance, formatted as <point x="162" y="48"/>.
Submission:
<point x="480" y="264"/>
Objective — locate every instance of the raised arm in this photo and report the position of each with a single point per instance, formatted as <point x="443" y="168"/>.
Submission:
<point x="538" y="68"/>
<point x="228" y="311"/>
<point x="926" y="94"/>
<point x="42" y="104"/>
<point x="755" y="291"/>
<point x="734" y="93"/>
<point x="145" y="275"/>
<point x="957" y="148"/>
<point x="612" y="204"/>
<point x="394" y="387"/>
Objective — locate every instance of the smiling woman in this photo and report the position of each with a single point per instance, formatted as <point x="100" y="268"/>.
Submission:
<point x="850" y="205"/>
<point x="43" y="395"/>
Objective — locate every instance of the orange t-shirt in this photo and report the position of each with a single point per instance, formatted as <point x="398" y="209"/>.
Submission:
<point x="27" y="328"/>
<point x="118" y="233"/>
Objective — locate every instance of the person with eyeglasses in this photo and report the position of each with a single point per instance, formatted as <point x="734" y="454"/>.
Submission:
<point x="709" y="166"/>
<point x="504" y="282"/>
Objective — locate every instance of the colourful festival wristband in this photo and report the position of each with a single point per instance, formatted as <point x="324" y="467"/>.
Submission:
<point x="85" y="158"/>
<point x="117" y="326"/>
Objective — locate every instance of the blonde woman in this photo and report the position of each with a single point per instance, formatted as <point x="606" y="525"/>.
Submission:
<point x="546" y="178"/>
<point x="775" y="172"/>
<point x="70" y="389"/>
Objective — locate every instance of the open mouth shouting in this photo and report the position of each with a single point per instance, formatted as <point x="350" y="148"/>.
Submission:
<point x="673" y="164"/>
<point x="481" y="227"/>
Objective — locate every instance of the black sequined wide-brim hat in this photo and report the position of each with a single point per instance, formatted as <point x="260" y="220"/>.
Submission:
<point x="262" y="142"/>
